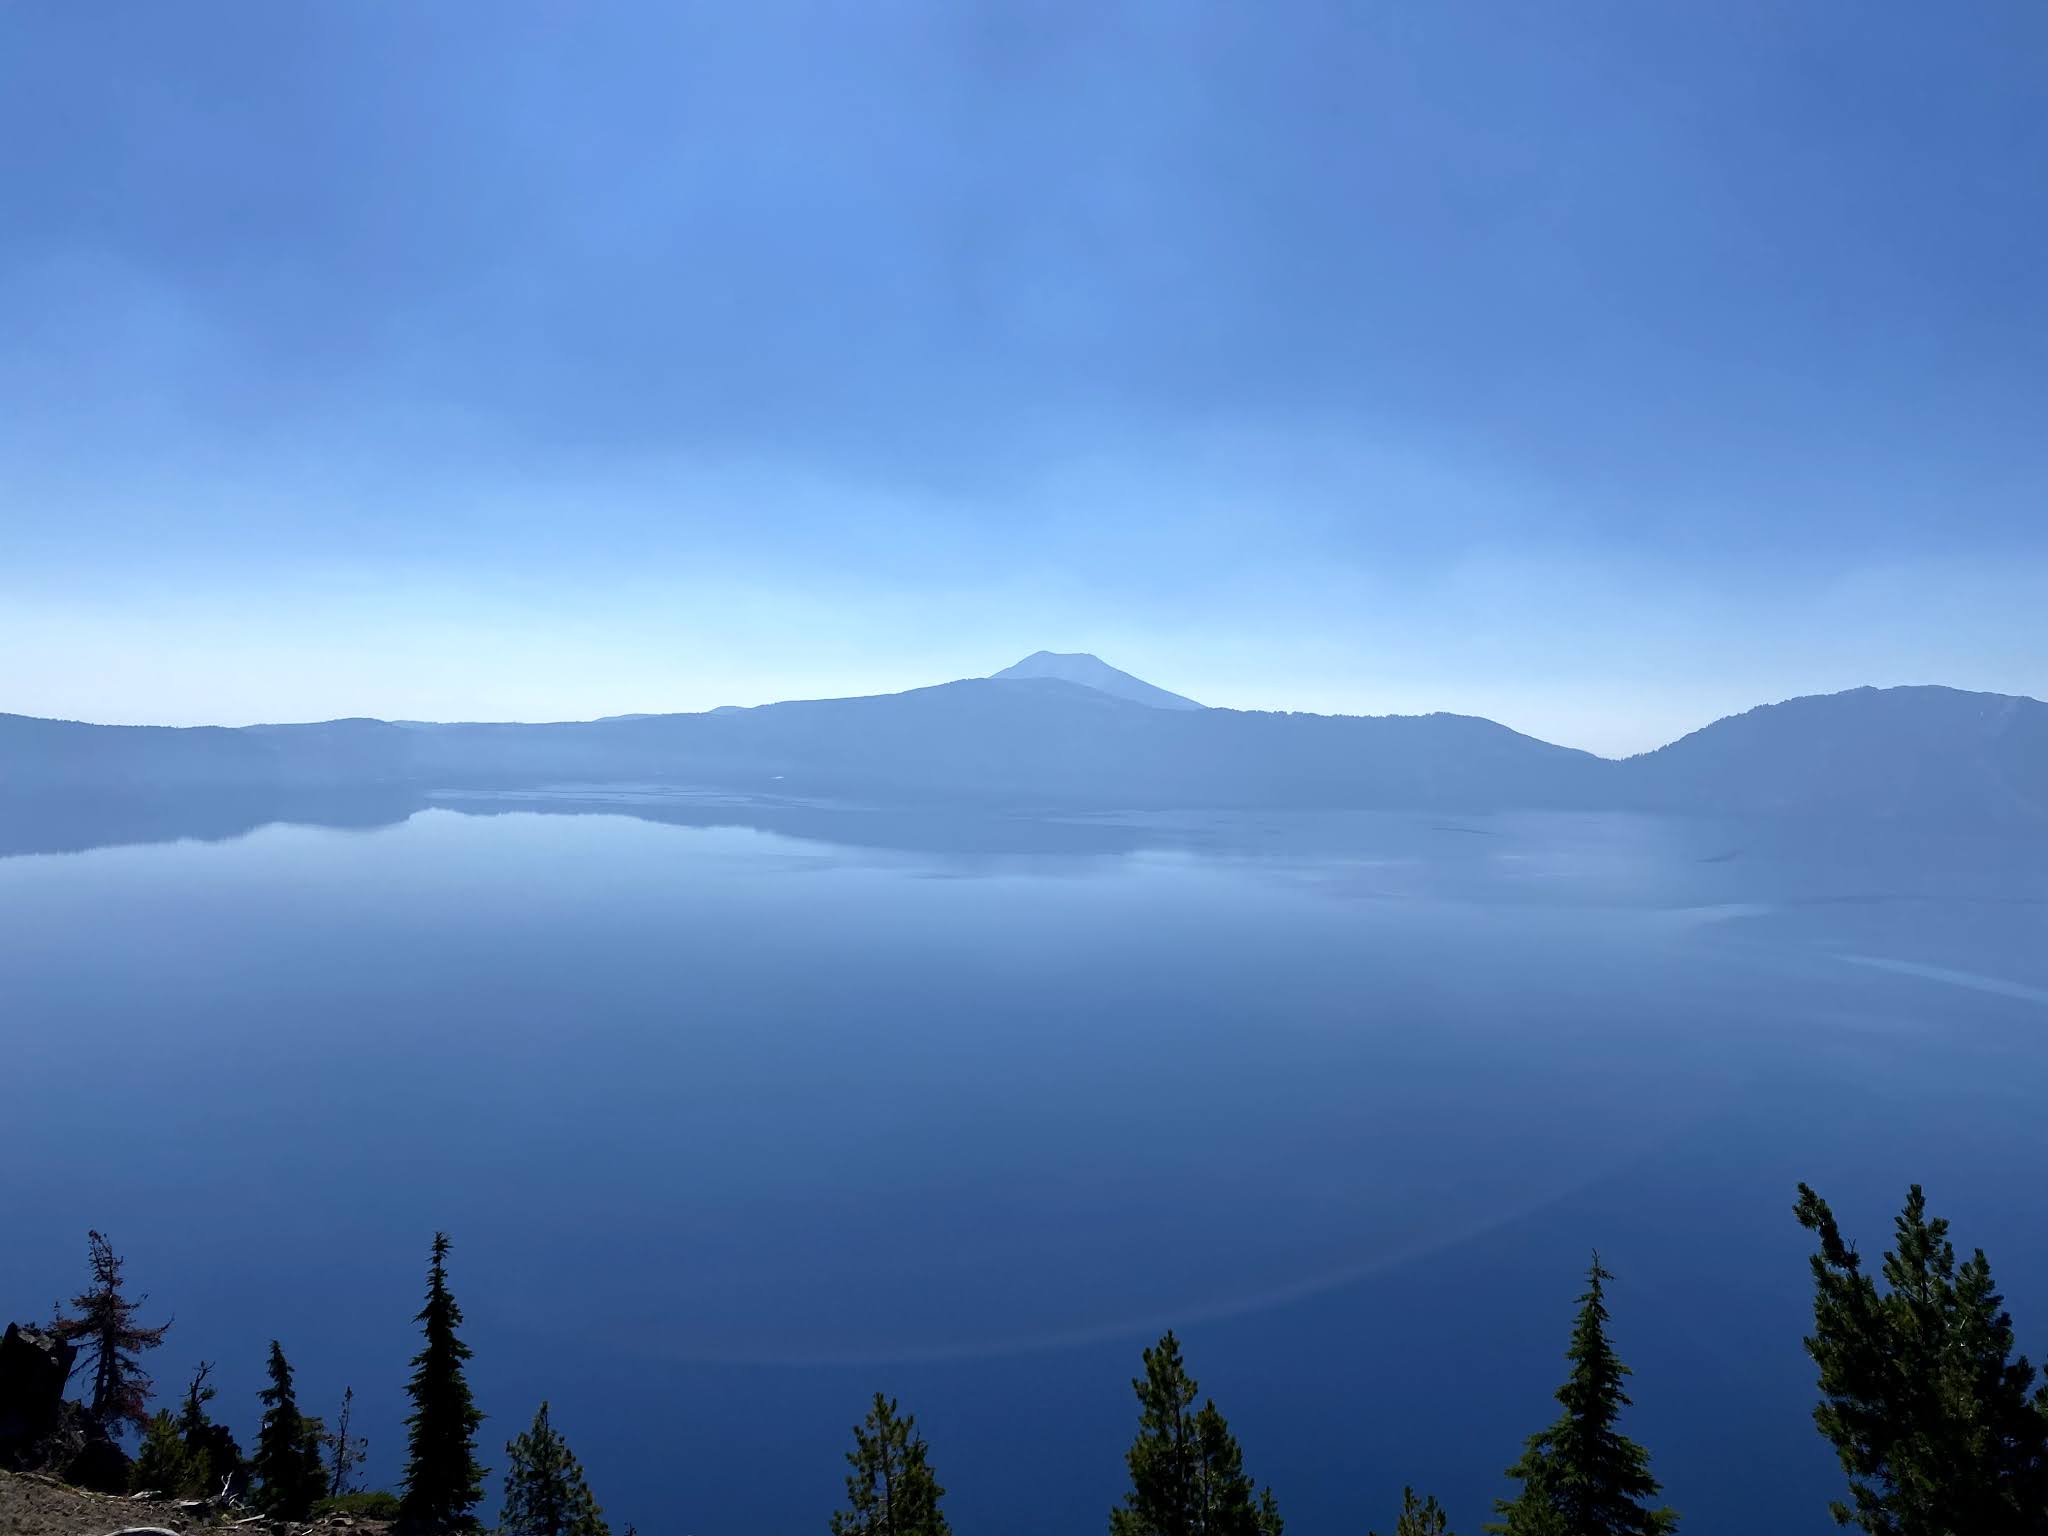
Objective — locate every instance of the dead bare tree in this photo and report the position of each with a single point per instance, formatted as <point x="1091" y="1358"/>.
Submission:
<point x="345" y="1453"/>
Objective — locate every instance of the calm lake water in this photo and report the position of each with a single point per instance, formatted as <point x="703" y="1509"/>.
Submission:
<point x="732" y="1125"/>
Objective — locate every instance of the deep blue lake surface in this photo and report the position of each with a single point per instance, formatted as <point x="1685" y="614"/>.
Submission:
<point x="733" y="1126"/>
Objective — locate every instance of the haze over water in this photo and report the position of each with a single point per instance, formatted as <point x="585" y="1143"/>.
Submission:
<point x="732" y="1127"/>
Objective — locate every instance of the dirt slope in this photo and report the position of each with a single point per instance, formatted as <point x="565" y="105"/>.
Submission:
<point x="38" y="1506"/>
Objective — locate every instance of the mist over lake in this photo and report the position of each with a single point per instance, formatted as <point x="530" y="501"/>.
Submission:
<point x="738" y="1110"/>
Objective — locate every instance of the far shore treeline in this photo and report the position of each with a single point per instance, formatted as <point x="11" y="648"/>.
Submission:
<point x="1939" y="1426"/>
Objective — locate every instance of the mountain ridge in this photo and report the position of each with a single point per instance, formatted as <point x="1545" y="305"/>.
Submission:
<point x="1047" y="742"/>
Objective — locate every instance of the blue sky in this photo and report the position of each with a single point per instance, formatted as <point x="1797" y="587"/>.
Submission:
<point x="1601" y="368"/>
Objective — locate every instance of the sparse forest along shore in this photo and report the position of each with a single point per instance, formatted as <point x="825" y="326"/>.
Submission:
<point x="1939" y="1426"/>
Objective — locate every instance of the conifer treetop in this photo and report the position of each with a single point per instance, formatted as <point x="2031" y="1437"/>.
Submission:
<point x="443" y="1482"/>
<point x="1581" y="1476"/>
<point x="1933" y="1417"/>
<point x="1186" y="1468"/>
<point x="545" y="1490"/>
<point x="891" y="1489"/>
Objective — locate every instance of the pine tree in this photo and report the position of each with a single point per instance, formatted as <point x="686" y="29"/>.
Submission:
<point x="443" y="1483"/>
<point x="162" y="1464"/>
<point x="890" y="1489"/>
<point x="1582" y="1476"/>
<point x="1421" y="1517"/>
<point x="214" y="1460"/>
<point x="1224" y="1500"/>
<point x="1187" y="1472"/>
<point x="1161" y="1458"/>
<point x="545" y="1494"/>
<point x="287" y="1461"/>
<point x="113" y="1342"/>
<point x="1927" y="1407"/>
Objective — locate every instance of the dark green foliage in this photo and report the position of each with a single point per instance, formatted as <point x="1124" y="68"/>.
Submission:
<point x="443" y="1483"/>
<point x="162" y="1464"/>
<point x="1921" y="1396"/>
<point x="1421" y="1517"/>
<point x="1187" y="1472"/>
<point x="1582" y="1476"/>
<point x="366" y="1504"/>
<point x="545" y="1494"/>
<point x="111" y="1343"/>
<point x="890" y="1489"/>
<point x="287" y="1463"/>
<point x="214" y="1461"/>
<point x="1223" y="1496"/>
<point x="1161" y="1459"/>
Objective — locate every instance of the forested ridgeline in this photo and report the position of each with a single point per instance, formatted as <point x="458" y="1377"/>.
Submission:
<point x="1939" y="1426"/>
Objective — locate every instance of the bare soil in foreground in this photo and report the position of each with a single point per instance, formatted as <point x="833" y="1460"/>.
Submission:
<point x="41" y="1506"/>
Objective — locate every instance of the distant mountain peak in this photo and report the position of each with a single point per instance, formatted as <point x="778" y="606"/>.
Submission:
<point x="1093" y="672"/>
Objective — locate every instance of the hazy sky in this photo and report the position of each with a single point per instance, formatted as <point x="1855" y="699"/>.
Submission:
<point x="1601" y="368"/>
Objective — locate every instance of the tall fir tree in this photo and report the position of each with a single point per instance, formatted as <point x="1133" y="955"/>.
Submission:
<point x="1929" y="1411"/>
<point x="890" y="1487"/>
<point x="112" y="1342"/>
<point x="289" y="1474"/>
<point x="545" y="1494"/>
<point x="1582" y="1476"/>
<point x="1421" y="1517"/>
<point x="1187" y="1471"/>
<point x="443" y="1483"/>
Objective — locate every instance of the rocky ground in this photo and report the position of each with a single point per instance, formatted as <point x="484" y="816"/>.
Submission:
<point x="41" y="1506"/>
